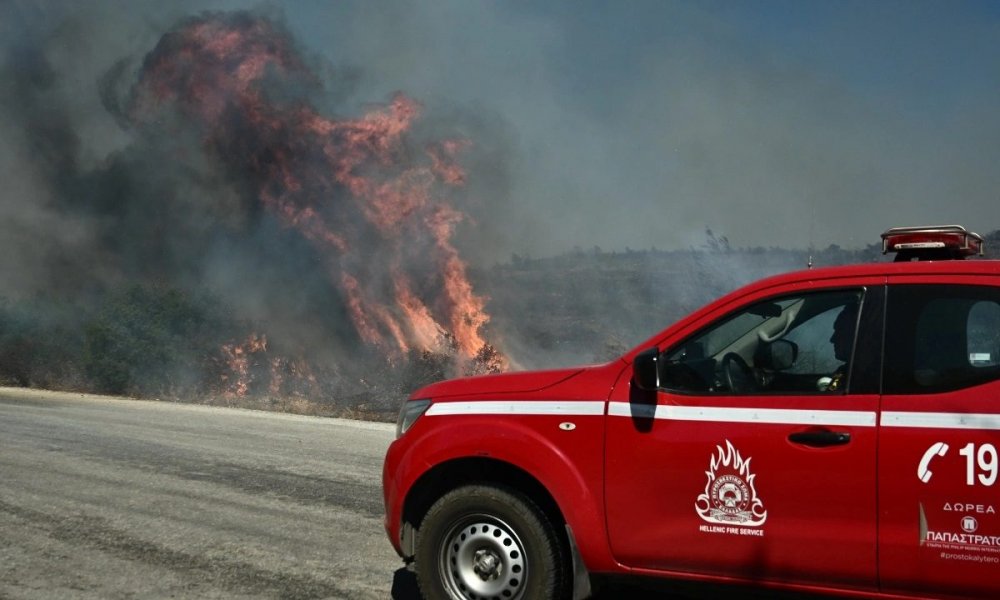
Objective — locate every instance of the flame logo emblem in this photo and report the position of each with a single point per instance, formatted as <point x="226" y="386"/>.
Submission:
<point x="730" y="497"/>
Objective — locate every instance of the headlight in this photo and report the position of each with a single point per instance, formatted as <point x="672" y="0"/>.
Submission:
<point x="411" y="411"/>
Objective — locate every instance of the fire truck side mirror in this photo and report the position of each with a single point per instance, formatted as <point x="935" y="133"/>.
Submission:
<point x="777" y="355"/>
<point x="645" y="370"/>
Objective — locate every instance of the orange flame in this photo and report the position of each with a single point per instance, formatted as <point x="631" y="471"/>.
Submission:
<point x="247" y="366"/>
<point x="237" y="357"/>
<point x="346" y="185"/>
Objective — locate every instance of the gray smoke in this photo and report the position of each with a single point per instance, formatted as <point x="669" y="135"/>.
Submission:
<point x="593" y="124"/>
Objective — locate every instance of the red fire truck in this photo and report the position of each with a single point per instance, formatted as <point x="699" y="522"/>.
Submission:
<point x="831" y="430"/>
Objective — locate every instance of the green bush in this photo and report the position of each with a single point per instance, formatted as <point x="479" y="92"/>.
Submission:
<point x="40" y="343"/>
<point x="152" y="341"/>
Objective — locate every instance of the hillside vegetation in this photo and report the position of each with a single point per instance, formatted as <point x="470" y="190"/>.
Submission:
<point x="581" y="307"/>
<point x="591" y="306"/>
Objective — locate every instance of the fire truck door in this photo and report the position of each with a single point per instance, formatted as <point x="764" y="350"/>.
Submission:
<point x="939" y="438"/>
<point x="756" y="457"/>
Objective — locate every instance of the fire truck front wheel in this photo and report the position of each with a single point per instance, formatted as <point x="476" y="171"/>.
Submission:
<point x="481" y="541"/>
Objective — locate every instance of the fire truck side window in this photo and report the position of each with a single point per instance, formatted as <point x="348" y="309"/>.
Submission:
<point x="941" y="338"/>
<point x="797" y="344"/>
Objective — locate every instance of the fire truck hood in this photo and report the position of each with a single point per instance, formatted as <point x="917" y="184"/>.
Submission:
<point x="504" y="383"/>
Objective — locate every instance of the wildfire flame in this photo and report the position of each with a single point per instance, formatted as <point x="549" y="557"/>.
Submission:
<point x="237" y="357"/>
<point x="354" y="188"/>
<point x="248" y="365"/>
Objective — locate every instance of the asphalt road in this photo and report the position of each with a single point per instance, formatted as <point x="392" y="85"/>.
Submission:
<point x="107" y="498"/>
<point x="104" y="498"/>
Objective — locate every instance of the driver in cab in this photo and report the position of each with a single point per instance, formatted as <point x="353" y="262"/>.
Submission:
<point x="842" y="339"/>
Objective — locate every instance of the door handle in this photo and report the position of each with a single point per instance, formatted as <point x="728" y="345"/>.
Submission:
<point x="820" y="439"/>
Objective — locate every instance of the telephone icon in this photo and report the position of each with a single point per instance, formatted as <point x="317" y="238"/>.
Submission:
<point x="923" y="470"/>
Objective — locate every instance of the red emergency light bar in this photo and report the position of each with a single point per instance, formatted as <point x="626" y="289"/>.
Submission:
<point x="939" y="242"/>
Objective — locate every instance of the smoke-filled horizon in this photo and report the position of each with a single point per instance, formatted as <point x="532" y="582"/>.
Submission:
<point x="632" y="125"/>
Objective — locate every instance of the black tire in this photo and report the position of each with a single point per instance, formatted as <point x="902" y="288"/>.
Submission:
<point x="481" y="542"/>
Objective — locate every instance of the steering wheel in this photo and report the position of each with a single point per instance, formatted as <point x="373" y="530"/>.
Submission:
<point x="737" y="374"/>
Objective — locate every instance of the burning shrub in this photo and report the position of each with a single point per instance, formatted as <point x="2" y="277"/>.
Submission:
<point x="374" y="205"/>
<point x="330" y="241"/>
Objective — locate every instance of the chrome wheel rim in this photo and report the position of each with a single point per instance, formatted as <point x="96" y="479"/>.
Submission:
<point x="483" y="558"/>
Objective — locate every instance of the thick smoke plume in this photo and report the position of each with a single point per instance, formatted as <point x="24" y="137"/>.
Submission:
<point x="332" y="237"/>
<point x="373" y="208"/>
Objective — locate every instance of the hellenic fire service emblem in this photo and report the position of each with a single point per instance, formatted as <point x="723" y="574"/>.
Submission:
<point x="730" y="497"/>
